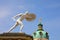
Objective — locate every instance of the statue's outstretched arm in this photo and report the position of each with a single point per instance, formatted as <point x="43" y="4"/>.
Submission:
<point x="17" y="16"/>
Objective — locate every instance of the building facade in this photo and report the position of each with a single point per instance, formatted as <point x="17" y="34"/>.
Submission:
<point x="15" y="36"/>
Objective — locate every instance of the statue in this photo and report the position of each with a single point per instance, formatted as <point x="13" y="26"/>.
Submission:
<point x="26" y="15"/>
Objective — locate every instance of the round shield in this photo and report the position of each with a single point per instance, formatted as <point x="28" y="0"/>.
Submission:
<point x="31" y="17"/>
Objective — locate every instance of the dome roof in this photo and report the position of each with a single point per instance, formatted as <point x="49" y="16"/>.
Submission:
<point x="40" y="24"/>
<point x="39" y="34"/>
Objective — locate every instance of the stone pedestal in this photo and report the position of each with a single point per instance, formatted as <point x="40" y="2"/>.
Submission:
<point x="15" y="36"/>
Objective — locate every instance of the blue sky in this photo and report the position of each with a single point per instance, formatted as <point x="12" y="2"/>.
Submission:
<point x="49" y="10"/>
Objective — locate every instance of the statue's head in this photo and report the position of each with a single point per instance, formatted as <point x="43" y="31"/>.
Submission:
<point x="26" y="12"/>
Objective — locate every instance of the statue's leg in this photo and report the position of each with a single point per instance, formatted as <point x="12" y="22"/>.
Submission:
<point x="21" y="25"/>
<point x="16" y="24"/>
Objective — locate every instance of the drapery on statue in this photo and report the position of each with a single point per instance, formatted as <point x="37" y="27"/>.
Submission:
<point x="26" y="15"/>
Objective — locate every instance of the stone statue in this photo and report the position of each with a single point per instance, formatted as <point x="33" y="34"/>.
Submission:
<point x="22" y="16"/>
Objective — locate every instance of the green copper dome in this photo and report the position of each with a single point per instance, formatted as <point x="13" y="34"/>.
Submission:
<point x="38" y="35"/>
<point x="40" y="24"/>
